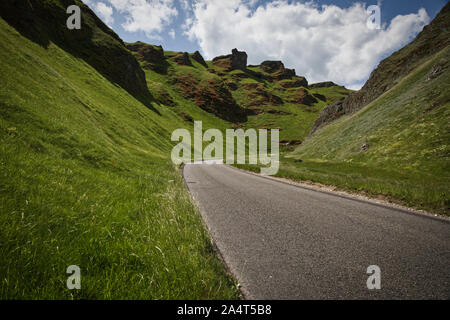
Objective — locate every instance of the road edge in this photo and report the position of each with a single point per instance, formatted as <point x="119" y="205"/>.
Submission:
<point x="350" y="196"/>
<point x="243" y="295"/>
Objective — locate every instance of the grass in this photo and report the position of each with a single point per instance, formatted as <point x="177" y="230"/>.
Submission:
<point x="86" y="179"/>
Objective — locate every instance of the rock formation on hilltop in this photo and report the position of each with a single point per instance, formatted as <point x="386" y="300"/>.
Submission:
<point x="212" y="96"/>
<point x="326" y="84"/>
<point x="277" y="70"/>
<point x="296" y="83"/>
<point x="230" y="89"/>
<point x="199" y="58"/>
<point x="235" y="60"/>
<point x="271" y="66"/>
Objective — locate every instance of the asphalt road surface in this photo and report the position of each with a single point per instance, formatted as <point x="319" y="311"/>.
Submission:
<point x="282" y="241"/>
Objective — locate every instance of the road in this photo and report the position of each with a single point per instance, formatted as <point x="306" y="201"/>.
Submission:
<point x="282" y="241"/>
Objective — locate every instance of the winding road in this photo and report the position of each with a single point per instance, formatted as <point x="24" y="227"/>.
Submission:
<point x="283" y="241"/>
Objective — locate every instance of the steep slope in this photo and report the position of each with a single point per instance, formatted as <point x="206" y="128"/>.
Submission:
<point x="264" y="96"/>
<point x="390" y="71"/>
<point x="44" y="22"/>
<point x="408" y="125"/>
<point x="399" y="142"/>
<point x="86" y="176"/>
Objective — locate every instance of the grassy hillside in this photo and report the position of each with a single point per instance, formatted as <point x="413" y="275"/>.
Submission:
<point x="396" y="148"/>
<point x="407" y="133"/>
<point x="86" y="179"/>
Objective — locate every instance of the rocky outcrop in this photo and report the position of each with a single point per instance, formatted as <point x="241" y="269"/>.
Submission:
<point x="296" y="83"/>
<point x="329" y="114"/>
<point x="235" y="60"/>
<point x="302" y="96"/>
<point x="272" y="66"/>
<point x="277" y="70"/>
<point x="151" y="56"/>
<point x="238" y="59"/>
<point x="391" y="70"/>
<point x="320" y="96"/>
<point x="199" y="58"/>
<point x="326" y="84"/>
<point x="257" y="95"/>
<point x="212" y="96"/>
<point x="182" y="59"/>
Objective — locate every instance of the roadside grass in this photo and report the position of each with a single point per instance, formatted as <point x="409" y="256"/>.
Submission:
<point x="413" y="189"/>
<point x="87" y="180"/>
<point x="134" y="233"/>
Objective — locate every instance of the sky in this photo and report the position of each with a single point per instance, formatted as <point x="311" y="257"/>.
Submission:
<point x="323" y="40"/>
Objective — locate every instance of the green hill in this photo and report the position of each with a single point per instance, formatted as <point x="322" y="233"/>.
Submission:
<point x="263" y="96"/>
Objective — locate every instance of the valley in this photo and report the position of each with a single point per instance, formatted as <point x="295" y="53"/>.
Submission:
<point x="85" y="148"/>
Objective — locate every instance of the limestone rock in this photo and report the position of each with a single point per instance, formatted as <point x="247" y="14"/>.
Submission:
<point x="199" y="58"/>
<point x="235" y="60"/>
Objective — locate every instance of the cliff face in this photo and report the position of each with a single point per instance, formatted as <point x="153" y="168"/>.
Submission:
<point x="433" y="38"/>
<point x="44" y="22"/>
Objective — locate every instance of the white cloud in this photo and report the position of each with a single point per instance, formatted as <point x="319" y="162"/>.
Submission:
<point x="185" y="4"/>
<point x="322" y="43"/>
<point x="150" y="16"/>
<point x="172" y="33"/>
<point x="105" y="12"/>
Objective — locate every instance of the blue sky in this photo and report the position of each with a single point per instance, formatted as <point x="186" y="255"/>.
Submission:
<point x="322" y="43"/>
